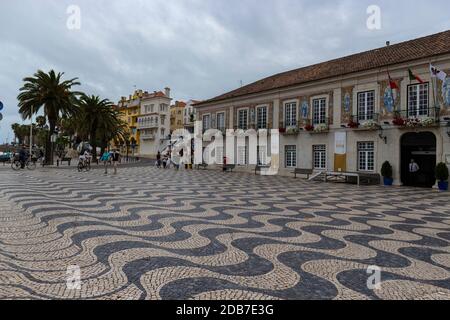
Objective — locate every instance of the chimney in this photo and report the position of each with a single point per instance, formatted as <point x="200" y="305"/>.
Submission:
<point x="167" y="92"/>
<point x="388" y="43"/>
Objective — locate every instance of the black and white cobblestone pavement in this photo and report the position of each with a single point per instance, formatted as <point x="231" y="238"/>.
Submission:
<point x="156" y="234"/>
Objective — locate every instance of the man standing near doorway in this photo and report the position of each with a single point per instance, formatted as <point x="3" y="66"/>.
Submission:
<point x="413" y="170"/>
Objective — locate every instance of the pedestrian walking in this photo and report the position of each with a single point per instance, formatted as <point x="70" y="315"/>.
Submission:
<point x="115" y="160"/>
<point x="105" y="158"/>
<point x="158" y="160"/>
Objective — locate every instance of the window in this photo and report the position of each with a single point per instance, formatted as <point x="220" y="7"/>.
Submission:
<point x="366" y="156"/>
<point x="262" y="155"/>
<point x="242" y="155"/>
<point x="418" y="100"/>
<point x="366" y="105"/>
<point x="320" y="157"/>
<point x="290" y="156"/>
<point x="319" y="111"/>
<point x="290" y="112"/>
<point x="206" y="122"/>
<point x="221" y="121"/>
<point x="219" y="155"/>
<point x="243" y="119"/>
<point x="261" y="118"/>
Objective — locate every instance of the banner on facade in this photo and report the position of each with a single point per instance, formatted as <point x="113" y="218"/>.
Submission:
<point x="340" y="151"/>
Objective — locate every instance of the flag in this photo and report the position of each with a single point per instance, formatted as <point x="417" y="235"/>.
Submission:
<point x="392" y="83"/>
<point x="436" y="73"/>
<point x="414" y="77"/>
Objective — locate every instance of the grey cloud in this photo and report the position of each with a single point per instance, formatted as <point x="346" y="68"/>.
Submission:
<point x="200" y="48"/>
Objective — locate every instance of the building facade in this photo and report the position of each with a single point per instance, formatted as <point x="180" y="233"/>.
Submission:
<point x="153" y="122"/>
<point x="350" y="114"/>
<point x="177" y="115"/>
<point x="130" y="110"/>
<point x="189" y="115"/>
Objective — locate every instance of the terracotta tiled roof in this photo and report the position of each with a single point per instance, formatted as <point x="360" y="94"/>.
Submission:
<point x="425" y="47"/>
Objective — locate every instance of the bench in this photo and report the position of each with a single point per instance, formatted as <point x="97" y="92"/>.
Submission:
<point x="258" y="168"/>
<point x="203" y="166"/>
<point x="229" y="167"/>
<point x="369" y="179"/>
<point x="306" y="172"/>
<point x="359" y="177"/>
<point x="68" y="160"/>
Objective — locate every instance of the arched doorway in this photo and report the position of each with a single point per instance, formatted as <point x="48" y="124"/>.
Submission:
<point x="420" y="146"/>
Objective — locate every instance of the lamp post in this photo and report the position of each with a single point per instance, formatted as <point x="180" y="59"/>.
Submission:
<point x="31" y="132"/>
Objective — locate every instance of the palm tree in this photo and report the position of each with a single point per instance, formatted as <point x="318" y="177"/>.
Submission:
<point x="47" y="90"/>
<point x="15" y="128"/>
<point x="100" y="121"/>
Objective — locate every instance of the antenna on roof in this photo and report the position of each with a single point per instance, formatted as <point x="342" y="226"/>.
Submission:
<point x="240" y="81"/>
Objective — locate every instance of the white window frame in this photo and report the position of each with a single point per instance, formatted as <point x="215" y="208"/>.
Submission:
<point x="322" y="117"/>
<point x="320" y="157"/>
<point x="290" y="156"/>
<point x="219" y="127"/>
<point x="241" y="125"/>
<point x="291" y="117"/>
<point x="367" y="114"/>
<point x="242" y="151"/>
<point x="418" y="109"/>
<point x="366" y="156"/>
<point x="208" y="116"/>
<point x="261" y="118"/>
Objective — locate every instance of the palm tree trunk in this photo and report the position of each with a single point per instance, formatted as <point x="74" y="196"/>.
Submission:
<point x="94" y="144"/>
<point x="48" y="144"/>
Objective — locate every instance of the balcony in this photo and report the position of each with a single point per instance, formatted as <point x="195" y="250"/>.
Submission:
<point x="147" y="125"/>
<point x="148" y="136"/>
<point x="364" y="122"/>
<point x="321" y="125"/>
<point x="417" y="118"/>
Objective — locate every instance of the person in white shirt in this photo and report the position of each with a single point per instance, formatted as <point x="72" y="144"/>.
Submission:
<point x="413" y="170"/>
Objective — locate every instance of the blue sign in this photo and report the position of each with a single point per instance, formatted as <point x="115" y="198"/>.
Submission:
<point x="1" y="106"/>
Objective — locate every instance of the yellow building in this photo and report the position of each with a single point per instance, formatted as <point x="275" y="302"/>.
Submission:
<point x="130" y="110"/>
<point x="177" y="116"/>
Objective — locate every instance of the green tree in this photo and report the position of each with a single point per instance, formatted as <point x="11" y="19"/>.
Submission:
<point x="100" y="121"/>
<point x="50" y="92"/>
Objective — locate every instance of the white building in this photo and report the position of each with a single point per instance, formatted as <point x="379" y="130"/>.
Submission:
<point x="154" y="122"/>
<point x="189" y="115"/>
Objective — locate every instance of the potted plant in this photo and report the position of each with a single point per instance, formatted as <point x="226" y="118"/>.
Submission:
<point x="309" y="128"/>
<point x="282" y="130"/>
<point x="442" y="176"/>
<point x="386" y="172"/>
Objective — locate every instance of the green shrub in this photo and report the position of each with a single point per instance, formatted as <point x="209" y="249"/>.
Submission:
<point x="442" y="172"/>
<point x="386" y="170"/>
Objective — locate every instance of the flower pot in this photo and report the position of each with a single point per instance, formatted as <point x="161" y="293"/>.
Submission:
<point x="388" y="181"/>
<point x="443" y="185"/>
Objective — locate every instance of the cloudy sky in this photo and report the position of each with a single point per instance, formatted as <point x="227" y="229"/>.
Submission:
<point x="199" y="48"/>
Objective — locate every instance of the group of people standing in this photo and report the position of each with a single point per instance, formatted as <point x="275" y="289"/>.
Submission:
<point x="112" y="157"/>
<point x="166" y="161"/>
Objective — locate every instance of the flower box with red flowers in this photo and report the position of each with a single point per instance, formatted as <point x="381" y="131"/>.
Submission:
<point x="309" y="128"/>
<point x="399" y="122"/>
<point x="353" y="125"/>
<point x="282" y="130"/>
